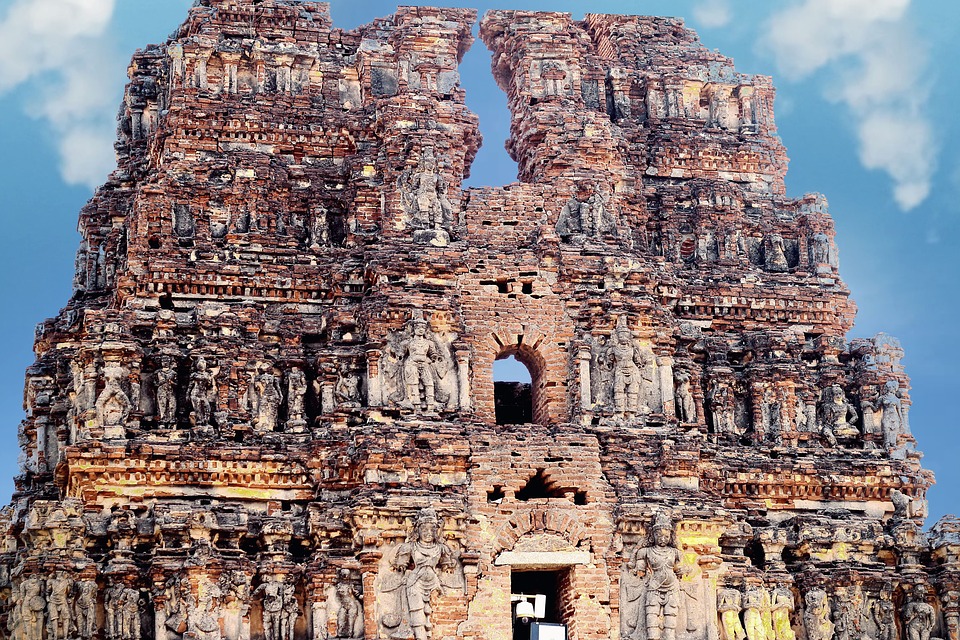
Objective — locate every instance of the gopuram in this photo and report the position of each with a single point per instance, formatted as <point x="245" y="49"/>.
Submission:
<point x="268" y="411"/>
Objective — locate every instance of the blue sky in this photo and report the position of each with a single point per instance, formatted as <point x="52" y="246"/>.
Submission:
<point x="867" y="94"/>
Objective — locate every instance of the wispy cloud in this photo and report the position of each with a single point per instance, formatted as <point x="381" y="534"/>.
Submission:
<point x="56" y="49"/>
<point x="712" y="14"/>
<point x="877" y="67"/>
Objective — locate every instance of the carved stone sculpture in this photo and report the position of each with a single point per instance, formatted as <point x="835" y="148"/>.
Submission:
<point x="774" y="257"/>
<point x="891" y="410"/>
<point x="272" y="593"/>
<point x="423" y="362"/>
<point x="753" y="610"/>
<point x="113" y="404"/>
<point x="130" y="603"/>
<point x="202" y="393"/>
<point x="296" y="398"/>
<point x="267" y="396"/>
<point x="319" y="232"/>
<point x="112" y="601"/>
<point x="423" y="195"/>
<point x="720" y="399"/>
<point x="588" y="218"/>
<point x="32" y="608"/>
<point x="728" y="605"/>
<point x="235" y="586"/>
<point x="204" y="618"/>
<point x="816" y="615"/>
<point x="658" y="565"/>
<point x="85" y="608"/>
<point x="166" y="384"/>
<point x="625" y="374"/>
<point x="422" y="566"/>
<point x="918" y="615"/>
<point x="781" y="607"/>
<point x="59" y="614"/>
<point x="344" y="605"/>
<point x="820" y="249"/>
<point x="291" y="611"/>
<point x="885" y="615"/>
<point x="848" y="613"/>
<point x="837" y="417"/>
<point x="347" y="390"/>
<point x="686" y="408"/>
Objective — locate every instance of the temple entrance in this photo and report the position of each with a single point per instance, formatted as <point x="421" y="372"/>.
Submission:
<point x="512" y="391"/>
<point x="532" y="583"/>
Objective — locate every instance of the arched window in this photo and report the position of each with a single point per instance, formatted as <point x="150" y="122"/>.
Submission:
<point x="512" y="391"/>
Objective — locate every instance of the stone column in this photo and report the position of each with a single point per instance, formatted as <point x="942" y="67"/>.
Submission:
<point x="463" y="372"/>
<point x="665" y="370"/>
<point x="369" y="564"/>
<point x="374" y="386"/>
<point x="586" y="398"/>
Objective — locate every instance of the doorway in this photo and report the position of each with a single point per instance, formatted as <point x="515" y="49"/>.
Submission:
<point x="532" y="583"/>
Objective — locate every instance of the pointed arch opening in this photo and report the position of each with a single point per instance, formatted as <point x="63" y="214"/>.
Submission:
<point x="517" y="385"/>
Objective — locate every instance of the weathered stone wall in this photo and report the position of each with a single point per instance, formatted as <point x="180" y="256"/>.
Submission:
<point x="268" y="410"/>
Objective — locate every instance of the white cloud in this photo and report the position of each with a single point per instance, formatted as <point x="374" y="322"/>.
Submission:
<point x="712" y="14"/>
<point x="57" y="50"/>
<point x="877" y="67"/>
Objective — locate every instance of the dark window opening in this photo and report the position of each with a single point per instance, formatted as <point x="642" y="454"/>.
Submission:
<point x="531" y="583"/>
<point x="580" y="498"/>
<point x="541" y="485"/>
<point x="754" y="551"/>
<point x="496" y="495"/>
<point x="512" y="392"/>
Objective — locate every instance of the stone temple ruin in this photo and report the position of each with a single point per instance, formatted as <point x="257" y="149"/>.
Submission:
<point x="268" y="413"/>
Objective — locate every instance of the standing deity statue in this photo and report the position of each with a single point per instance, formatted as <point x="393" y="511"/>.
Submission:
<point x="291" y="611"/>
<point x="728" y="604"/>
<point x="918" y="615"/>
<point x="296" y="399"/>
<point x="891" y="410"/>
<point x="423" y="195"/>
<point x="781" y="607"/>
<point x="837" y="416"/>
<point x="754" y="602"/>
<point x="166" y="384"/>
<point x="272" y="591"/>
<point x="422" y="366"/>
<point x="816" y="615"/>
<point x="319" y="231"/>
<point x="422" y="566"/>
<point x="130" y="603"/>
<point x="588" y="218"/>
<point x="347" y="390"/>
<point x="113" y="405"/>
<point x="267" y="396"/>
<point x="819" y="248"/>
<point x="112" y="601"/>
<point x="686" y="408"/>
<point x="625" y="373"/>
<point x="344" y="605"/>
<point x="85" y="608"/>
<point x="659" y="566"/>
<point x="205" y="617"/>
<point x="32" y="608"/>
<point x="202" y="393"/>
<point x="59" y="615"/>
<point x="720" y="399"/>
<point x="885" y="615"/>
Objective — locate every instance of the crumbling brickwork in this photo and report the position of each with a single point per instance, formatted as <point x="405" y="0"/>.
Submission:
<point x="268" y="411"/>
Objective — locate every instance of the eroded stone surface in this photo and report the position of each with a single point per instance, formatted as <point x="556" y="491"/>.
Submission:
<point x="268" y="411"/>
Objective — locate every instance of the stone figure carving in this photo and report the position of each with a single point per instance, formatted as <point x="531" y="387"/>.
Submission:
<point x="235" y="586"/>
<point x="113" y="405"/>
<point x="296" y="398"/>
<point x="755" y="603"/>
<point x="319" y="232"/>
<point x="175" y="605"/>
<point x="85" y="608"/>
<point x="837" y="416"/>
<point x="423" y="195"/>
<point x="625" y="374"/>
<point x="267" y="396"/>
<point x="33" y="604"/>
<point x="918" y="615"/>
<point x="166" y="384"/>
<point x="848" y="614"/>
<point x="819" y="249"/>
<point x="686" y="409"/>
<point x="112" y="600"/>
<point x="130" y="604"/>
<point x="422" y="566"/>
<point x="272" y="593"/>
<point x="891" y="413"/>
<point x="781" y="607"/>
<point x="344" y="605"/>
<point x="885" y="615"/>
<point x="423" y="364"/>
<point x="204" y="618"/>
<point x="816" y="615"/>
<point x="585" y="219"/>
<point x="59" y="614"/>
<point x="347" y="390"/>
<point x="728" y="604"/>
<point x="202" y="393"/>
<point x="774" y="256"/>
<point x="291" y="611"/>
<point x="720" y="400"/>
<point x="658" y="565"/>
